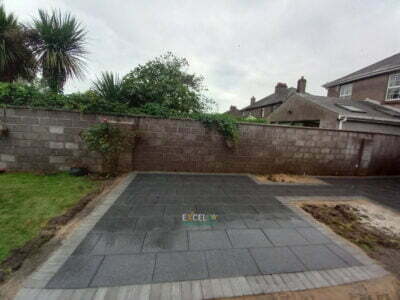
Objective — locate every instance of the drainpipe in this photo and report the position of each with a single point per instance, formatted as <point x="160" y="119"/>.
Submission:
<point x="341" y="120"/>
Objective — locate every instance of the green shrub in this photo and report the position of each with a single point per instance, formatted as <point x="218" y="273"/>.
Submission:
<point x="110" y="142"/>
<point x="19" y="94"/>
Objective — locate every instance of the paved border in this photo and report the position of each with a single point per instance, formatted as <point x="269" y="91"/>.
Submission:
<point x="34" y="287"/>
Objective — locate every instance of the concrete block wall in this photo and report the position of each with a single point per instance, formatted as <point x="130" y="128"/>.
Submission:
<point x="45" y="140"/>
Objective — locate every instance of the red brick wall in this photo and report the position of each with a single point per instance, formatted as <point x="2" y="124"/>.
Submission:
<point x="49" y="140"/>
<point x="372" y="88"/>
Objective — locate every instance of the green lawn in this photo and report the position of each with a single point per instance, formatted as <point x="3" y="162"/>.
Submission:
<point x="28" y="201"/>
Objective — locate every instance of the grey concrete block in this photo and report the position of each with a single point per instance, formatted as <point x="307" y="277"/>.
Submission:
<point x="56" y="145"/>
<point x="56" y="129"/>
<point x="71" y="146"/>
<point x="57" y="159"/>
<point x="7" y="158"/>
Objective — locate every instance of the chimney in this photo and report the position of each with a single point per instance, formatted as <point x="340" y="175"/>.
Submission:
<point x="252" y="100"/>
<point x="281" y="89"/>
<point x="301" y="85"/>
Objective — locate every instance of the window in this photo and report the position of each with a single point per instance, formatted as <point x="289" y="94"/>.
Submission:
<point x="393" y="90"/>
<point x="262" y="112"/>
<point x="346" y="90"/>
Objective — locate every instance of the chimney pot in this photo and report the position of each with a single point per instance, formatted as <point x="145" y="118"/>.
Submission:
<point x="252" y="100"/>
<point x="301" y="85"/>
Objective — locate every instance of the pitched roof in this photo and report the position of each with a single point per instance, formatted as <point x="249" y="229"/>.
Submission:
<point x="386" y="65"/>
<point x="369" y="110"/>
<point x="271" y="99"/>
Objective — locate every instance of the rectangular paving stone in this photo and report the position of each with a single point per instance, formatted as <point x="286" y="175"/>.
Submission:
<point x="239" y="209"/>
<point x="158" y="241"/>
<point x="117" y="211"/>
<point x="318" y="257"/>
<point x="179" y="210"/>
<point x="271" y="209"/>
<point x="260" y="221"/>
<point x="87" y="245"/>
<point x="119" y="243"/>
<point x="230" y="262"/>
<point x="247" y="238"/>
<point x="276" y="260"/>
<point x="176" y="266"/>
<point x="229" y="221"/>
<point x="285" y="237"/>
<point x="210" y="209"/>
<point x="159" y="223"/>
<point x="292" y="223"/>
<point x="76" y="273"/>
<point x="119" y="270"/>
<point x="211" y="239"/>
<point x="344" y="255"/>
<point x="141" y="211"/>
<point x="313" y="235"/>
<point x="121" y="225"/>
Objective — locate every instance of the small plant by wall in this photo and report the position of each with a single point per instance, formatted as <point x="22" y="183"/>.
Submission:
<point x="110" y="141"/>
<point x="4" y="131"/>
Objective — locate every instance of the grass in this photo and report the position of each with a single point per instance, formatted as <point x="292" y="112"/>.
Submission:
<point x="28" y="201"/>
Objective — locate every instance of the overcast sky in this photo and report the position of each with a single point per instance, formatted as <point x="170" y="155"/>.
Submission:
<point x="242" y="48"/>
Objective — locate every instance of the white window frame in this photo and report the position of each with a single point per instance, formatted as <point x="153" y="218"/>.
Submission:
<point x="346" y="90"/>
<point x="262" y="112"/>
<point x="393" y="83"/>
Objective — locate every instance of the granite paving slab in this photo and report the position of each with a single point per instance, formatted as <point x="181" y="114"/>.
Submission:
<point x="178" y="227"/>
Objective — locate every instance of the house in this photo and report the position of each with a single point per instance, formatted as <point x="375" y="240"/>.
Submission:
<point x="337" y="113"/>
<point x="379" y="81"/>
<point x="234" y="111"/>
<point x="265" y="106"/>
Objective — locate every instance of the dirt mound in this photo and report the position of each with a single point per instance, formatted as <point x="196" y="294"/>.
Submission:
<point x="349" y="222"/>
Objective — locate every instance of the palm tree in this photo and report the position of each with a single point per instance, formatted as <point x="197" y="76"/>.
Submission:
<point x="59" y="43"/>
<point x="16" y="59"/>
<point x="108" y="86"/>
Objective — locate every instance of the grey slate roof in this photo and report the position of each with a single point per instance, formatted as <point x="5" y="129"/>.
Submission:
<point x="371" y="111"/>
<point x="271" y="99"/>
<point x="386" y="65"/>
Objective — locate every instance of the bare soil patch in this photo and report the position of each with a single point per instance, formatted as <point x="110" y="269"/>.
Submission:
<point x="385" y="288"/>
<point x="287" y="178"/>
<point x="361" y="226"/>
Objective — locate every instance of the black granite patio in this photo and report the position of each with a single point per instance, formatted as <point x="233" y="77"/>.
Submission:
<point x="143" y="238"/>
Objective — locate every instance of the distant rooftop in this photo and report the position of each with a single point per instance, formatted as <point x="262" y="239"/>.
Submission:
<point x="386" y="65"/>
<point x="367" y="110"/>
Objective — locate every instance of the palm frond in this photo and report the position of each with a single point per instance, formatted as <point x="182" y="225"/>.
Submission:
<point x="16" y="58"/>
<point x="108" y="86"/>
<point x="59" y="43"/>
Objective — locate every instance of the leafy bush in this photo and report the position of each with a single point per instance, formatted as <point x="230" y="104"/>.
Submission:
<point x="110" y="142"/>
<point x="165" y="80"/>
<point x="19" y="94"/>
